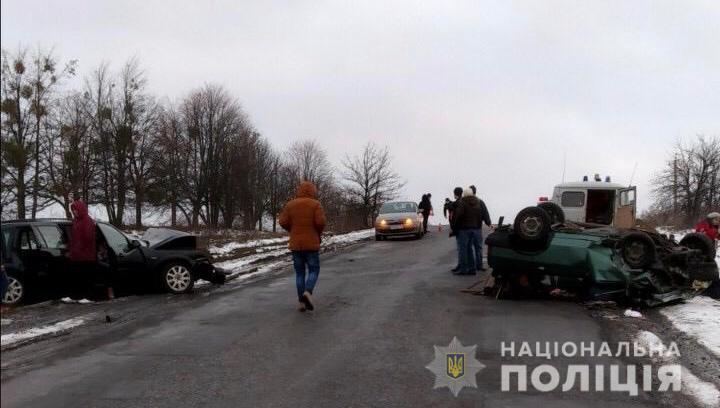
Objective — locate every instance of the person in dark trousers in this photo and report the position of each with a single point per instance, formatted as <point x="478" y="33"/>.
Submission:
<point x="457" y="193"/>
<point x="425" y="207"/>
<point x="467" y="222"/>
<point x="477" y="242"/>
<point x="446" y="207"/>
<point x="304" y="218"/>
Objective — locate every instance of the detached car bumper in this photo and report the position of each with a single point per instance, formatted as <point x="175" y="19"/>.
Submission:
<point x="203" y="269"/>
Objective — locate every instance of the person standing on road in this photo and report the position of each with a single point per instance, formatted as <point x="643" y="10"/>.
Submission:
<point x="303" y="217"/>
<point x="468" y="219"/>
<point x="425" y="207"/>
<point x="477" y="242"/>
<point x="457" y="193"/>
<point x="709" y="226"/>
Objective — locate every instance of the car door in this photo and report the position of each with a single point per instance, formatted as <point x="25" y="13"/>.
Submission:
<point x="625" y="210"/>
<point x="54" y="245"/>
<point x="34" y="260"/>
<point x="127" y="262"/>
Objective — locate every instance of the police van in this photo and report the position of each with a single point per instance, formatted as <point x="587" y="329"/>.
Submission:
<point x="597" y="202"/>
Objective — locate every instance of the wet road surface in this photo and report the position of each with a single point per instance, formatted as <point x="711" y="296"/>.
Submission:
<point x="381" y="307"/>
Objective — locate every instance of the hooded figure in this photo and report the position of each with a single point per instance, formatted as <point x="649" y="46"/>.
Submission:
<point x="425" y="207"/>
<point x="304" y="218"/>
<point x="82" y="239"/>
<point x="709" y="226"/>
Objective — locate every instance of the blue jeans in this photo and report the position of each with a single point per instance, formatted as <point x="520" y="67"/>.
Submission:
<point x="477" y="245"/>
<point x="301" y="260"/>
<point x="470" y="249"/>
<point x="462" y="247"/>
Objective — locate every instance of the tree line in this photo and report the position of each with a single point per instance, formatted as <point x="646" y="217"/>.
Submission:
<point x="687" y="187"/>
<point x="200" y="160"/>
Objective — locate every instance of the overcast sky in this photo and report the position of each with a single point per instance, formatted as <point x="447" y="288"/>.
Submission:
<point x="492" y="93"/>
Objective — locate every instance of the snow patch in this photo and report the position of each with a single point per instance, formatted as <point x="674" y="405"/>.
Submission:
<point x="233" y="246"/>
<point x="24" y="335"/>
<point x="81" y="301"/>
<point x="632" y="313"/>
<point x="703" y="392"/>
<point x="700" y="318"/>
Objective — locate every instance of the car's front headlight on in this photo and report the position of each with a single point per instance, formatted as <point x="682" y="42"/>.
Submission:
<point x="409" y="222"/>
<point x="382" y="223"/>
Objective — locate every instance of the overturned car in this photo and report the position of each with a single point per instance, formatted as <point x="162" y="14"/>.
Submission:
<point x="541" y="253"/>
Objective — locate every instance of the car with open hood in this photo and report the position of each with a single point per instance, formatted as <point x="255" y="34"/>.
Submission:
<point x="541" y="252"/>
<point x="35" y="255"/>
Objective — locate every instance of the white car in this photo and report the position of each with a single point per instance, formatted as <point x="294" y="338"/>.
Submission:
<point x="399" y="219"/>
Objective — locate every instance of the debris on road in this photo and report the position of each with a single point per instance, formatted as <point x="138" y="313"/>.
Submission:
<point x="633" y="313"/>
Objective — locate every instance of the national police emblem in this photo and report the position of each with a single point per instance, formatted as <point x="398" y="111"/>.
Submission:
<point x="455" y="366"/>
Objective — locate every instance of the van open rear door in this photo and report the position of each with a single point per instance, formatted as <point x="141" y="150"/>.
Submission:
<point x="625" y="210"/>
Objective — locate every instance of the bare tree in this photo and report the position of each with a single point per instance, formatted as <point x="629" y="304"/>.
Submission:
<point x="687" y="184"/>
<point x="17" y="144"/>
<point x="308" y="161"/>
<point x="371" y="180"/>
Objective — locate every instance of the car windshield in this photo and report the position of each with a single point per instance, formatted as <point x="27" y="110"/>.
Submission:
<point x="398" y="207"/>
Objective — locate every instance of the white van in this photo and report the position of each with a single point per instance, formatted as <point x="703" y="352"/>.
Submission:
<point x="597" y="202"/>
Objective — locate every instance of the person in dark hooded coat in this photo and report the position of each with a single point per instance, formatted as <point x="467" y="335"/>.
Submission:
<point x="426" y="208"/>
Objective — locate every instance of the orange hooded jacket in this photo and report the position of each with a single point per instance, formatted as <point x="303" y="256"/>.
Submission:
<point x="304" y="218"/>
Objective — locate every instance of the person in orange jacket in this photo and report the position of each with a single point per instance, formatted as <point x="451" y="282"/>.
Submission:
<point x="709" y="226"/>
<point x="304" y="218"/>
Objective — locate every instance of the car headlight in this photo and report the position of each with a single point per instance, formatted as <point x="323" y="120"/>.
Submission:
<point x="382" y="223"/>
<point x="409" y="222"/>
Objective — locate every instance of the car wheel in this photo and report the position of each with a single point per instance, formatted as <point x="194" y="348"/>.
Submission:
<point x="532" y="224"/>
<point x="701" y="242"/>
<point x="15" y="292"/>
<point x="378" y="238"/>
<point x="638" y="250"/>
<point x="177" y="278"/>
<point x="556" y="213"/>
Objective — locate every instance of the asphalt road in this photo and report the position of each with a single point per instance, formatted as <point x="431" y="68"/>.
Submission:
<point x="381" y="307"/>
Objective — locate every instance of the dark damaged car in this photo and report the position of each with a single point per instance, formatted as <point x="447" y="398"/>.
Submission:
<point x="540" y="253"/>
<point x="35" y="256"/>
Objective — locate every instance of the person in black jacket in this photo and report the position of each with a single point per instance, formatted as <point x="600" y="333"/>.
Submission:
<point x="467" y="222"/>
<point x="426" y="209"/>
<point x="457" y="193"/>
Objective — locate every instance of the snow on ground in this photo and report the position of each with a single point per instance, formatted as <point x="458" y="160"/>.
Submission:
<point x="236" y="265"/>
<point x="705" y="393"/>
<point x="28" y="334"/>
<point x="232" y="246"/>
<point x="699" y="317"/>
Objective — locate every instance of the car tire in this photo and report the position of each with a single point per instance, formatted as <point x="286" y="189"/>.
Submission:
<point x="556" y="213"/>
<point x="695" y="240"/>
<point x="16" y="291"/>
<point x="176" y="277"/>
<point x="637" y="249"/>
<point x="378" y="238"/>
<point x="532" y="224"/>
<point x="419" y="235"/>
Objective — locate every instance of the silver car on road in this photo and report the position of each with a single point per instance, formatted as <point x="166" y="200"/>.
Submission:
<point x="398" y="219"/>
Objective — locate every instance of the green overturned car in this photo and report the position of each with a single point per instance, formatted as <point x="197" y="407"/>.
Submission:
<point x="540" y="253"/>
